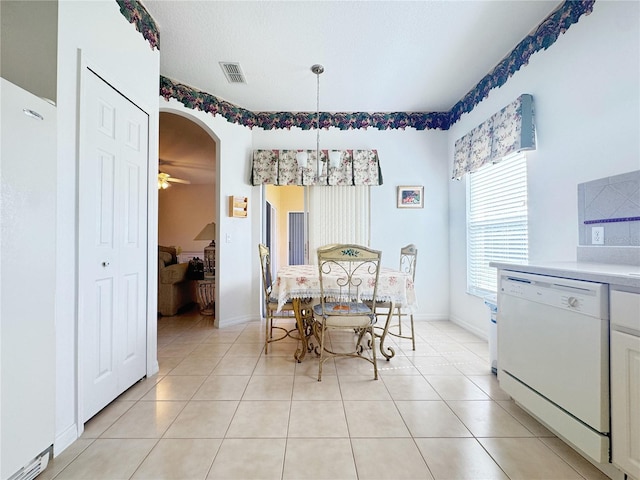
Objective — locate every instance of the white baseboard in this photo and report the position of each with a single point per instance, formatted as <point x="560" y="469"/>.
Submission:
<point x="430" y="317"/>
<point x="471" y="328"/>
<point x="155" y="368"/>
<point x="228" y="322"/>
<point x="64" y="439"/>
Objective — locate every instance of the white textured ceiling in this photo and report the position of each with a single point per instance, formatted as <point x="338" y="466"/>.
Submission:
<point x="379" y="56"/>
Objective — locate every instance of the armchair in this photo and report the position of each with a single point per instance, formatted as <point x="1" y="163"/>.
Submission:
<point x="175" y="289"/>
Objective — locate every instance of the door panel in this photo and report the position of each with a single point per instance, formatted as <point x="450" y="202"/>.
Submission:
<point x="102" y="335"/>
<point x="130" y="289"/>
<point x="104" y="183"/>
<point x="131" y="218"/>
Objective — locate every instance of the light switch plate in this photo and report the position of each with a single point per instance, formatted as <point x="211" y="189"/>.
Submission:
<point x="597" y="236"/>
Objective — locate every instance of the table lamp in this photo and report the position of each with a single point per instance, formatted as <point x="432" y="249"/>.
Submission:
<point x="209" y="233"/>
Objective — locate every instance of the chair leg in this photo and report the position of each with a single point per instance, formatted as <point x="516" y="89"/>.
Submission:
<point x="361" y="333"/>
<point x="373" y="352"/>
<point x="413" y="335"/>
<point x="322" y="327"/>
<point x="268" y="321"/>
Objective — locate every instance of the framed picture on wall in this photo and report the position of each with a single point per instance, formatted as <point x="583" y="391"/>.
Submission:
<point x="410" y="197"/>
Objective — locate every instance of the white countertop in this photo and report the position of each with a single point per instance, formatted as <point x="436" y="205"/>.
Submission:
<point x="613" y="274"/>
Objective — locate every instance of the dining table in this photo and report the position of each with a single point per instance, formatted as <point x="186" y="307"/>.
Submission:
<point x="300" y="285"/>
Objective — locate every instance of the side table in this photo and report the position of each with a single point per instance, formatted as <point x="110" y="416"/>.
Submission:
<point x="207" y="296"/>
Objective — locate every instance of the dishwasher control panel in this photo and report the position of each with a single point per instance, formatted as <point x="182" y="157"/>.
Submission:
<point x="588" y="298"/>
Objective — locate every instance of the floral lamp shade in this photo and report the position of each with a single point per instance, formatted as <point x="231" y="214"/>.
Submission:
<point x="510" y="130"/>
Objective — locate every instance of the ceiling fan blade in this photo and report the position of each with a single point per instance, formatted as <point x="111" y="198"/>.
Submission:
<point x="178" y="180"/>
<point x="164" y="178"/>
<point x="162" y="161"/>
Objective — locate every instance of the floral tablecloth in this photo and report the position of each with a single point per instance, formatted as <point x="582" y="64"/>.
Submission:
<point x="303" y="281"/>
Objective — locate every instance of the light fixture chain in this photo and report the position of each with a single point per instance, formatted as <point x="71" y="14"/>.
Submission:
<point x="318" y="69"/>
<point x="318" y="118"/>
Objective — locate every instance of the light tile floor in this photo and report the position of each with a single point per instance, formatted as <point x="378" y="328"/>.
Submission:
<point x="221" y="409"/>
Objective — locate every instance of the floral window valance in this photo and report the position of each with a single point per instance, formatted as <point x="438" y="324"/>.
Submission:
<point x="280" y="167"/>
<point x="510" y="130"/>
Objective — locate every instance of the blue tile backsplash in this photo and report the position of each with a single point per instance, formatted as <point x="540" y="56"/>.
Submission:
<point x="611" y="204"/>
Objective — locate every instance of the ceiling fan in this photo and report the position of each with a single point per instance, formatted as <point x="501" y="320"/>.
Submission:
<point x="164" y="180"/>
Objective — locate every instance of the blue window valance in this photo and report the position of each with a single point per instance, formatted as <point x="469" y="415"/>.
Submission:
<point x="508" y="131"/>
<point x="280" y="167"/>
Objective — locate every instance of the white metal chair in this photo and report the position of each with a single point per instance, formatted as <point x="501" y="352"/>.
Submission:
<point x="408" y="257"/>
<point x="271" y="304"/>
<point x="345" y="271"/>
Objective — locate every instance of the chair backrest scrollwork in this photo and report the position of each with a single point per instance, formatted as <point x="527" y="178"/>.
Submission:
<point x="408" y="258"/>
<point x="347" y="271"/>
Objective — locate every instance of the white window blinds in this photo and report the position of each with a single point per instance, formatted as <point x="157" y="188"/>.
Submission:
<point x="497" y="221"/>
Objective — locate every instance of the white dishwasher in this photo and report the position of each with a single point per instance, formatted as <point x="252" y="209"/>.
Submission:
<point x="553" y="346"/>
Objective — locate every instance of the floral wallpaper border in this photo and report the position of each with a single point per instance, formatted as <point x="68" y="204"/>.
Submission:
<point x="557" y="23"/>
<point x="135" y="13"/>
<point x="546" y="34"/>
<point x="196" y="99"/>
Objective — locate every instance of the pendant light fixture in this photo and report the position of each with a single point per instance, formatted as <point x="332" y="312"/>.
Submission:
<point x="335" y="156"/>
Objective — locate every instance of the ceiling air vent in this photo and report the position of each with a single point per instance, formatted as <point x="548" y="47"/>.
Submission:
<point x="233" y="72"/>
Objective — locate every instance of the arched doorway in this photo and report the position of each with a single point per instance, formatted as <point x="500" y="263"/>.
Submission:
<point x="187" y="194"/>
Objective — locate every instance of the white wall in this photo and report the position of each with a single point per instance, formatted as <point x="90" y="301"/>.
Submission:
<point x="106" y="40"/>
<point x="183" y="212"/>
<point x="586" y="90"/>
<point x="237" y="269"/>
<point x="407" y="157"/>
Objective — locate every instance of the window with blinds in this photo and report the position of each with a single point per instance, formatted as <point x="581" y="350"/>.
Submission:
<point x="497" y="221"/>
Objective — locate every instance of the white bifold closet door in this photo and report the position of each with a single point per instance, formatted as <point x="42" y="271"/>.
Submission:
<point x="113" y="169"/>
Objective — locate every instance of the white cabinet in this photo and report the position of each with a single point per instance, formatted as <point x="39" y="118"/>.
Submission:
<point x="625" y="381"/>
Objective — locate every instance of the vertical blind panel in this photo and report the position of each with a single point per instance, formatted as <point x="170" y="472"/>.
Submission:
<point x="497" y="222"/>
<point x="338" y="215"/>
<point x="296" y="238"/>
